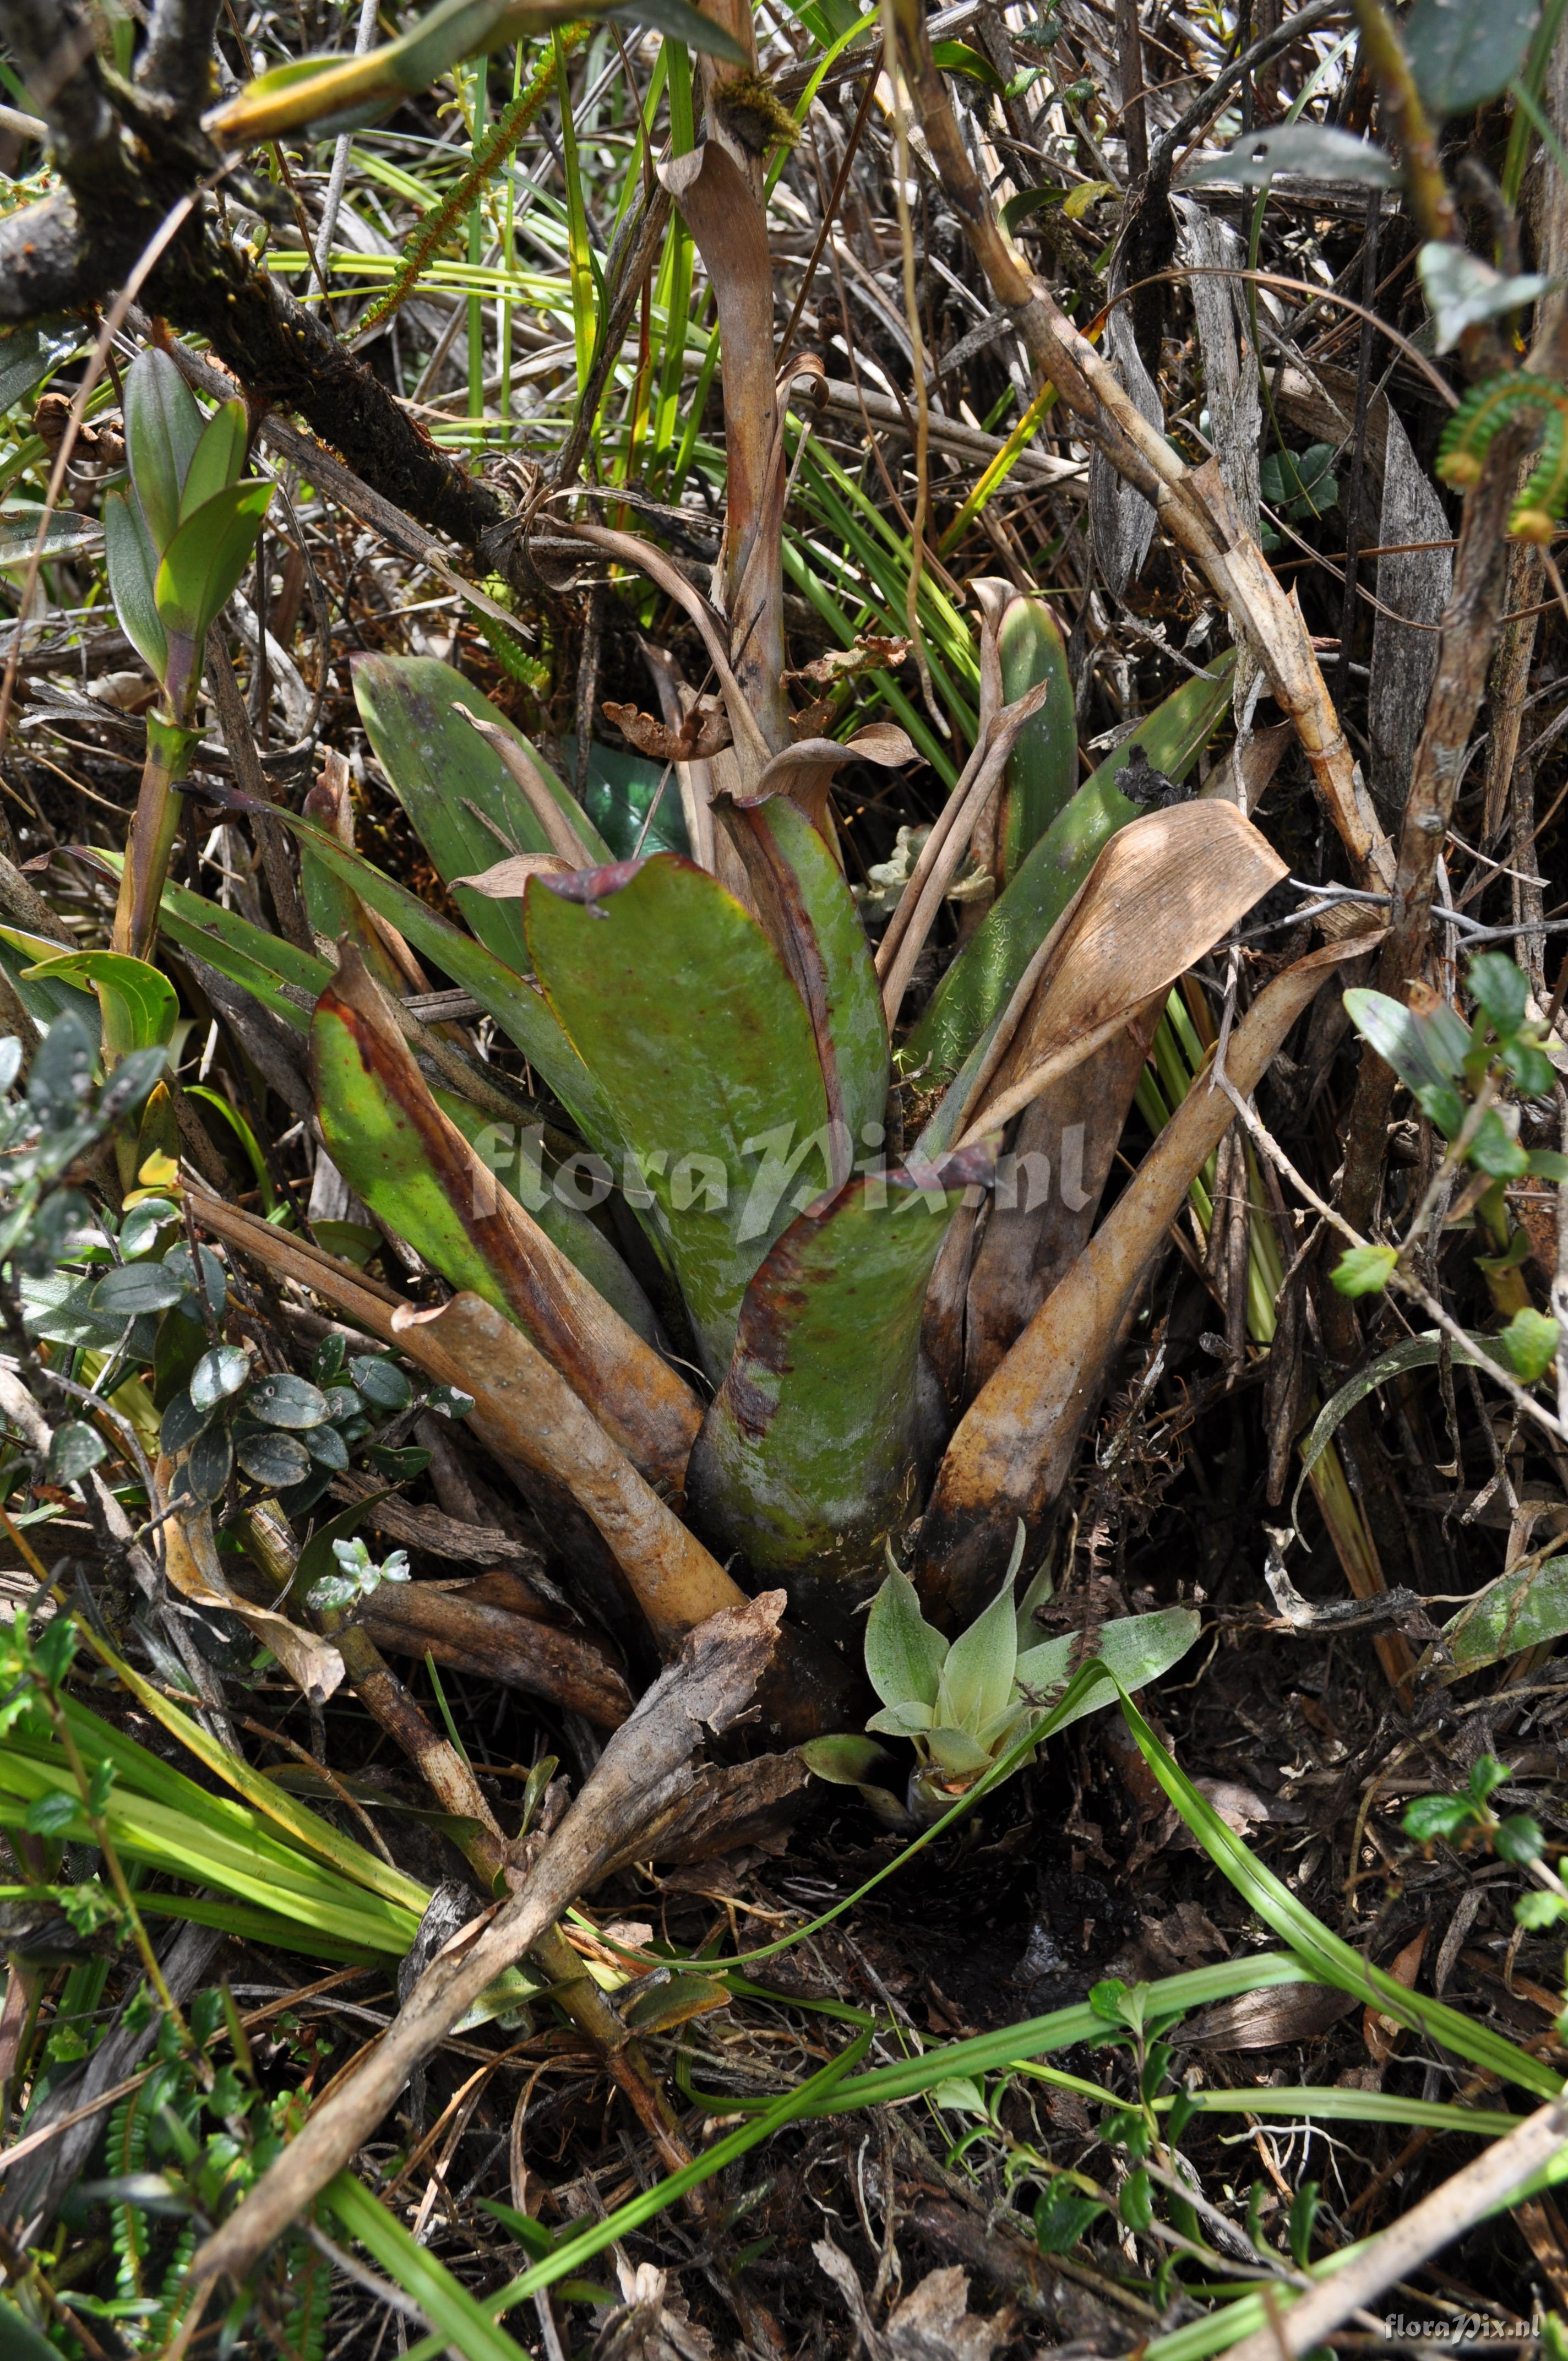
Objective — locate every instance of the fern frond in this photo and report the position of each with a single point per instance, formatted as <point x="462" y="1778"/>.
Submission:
<point x="1485" y="410"/>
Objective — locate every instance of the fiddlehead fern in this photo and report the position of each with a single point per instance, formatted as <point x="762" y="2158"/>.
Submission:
<point x="1483" y="413"/>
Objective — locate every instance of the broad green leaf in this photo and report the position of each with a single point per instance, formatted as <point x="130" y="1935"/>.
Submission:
<point x="66" y="534"/>
<point x="218" y="457"/>
<point x="286" y="981"/>
<point x="726" y="1134"/>
<point x="1364" y="1270"/>
<point x="1528" y="1346"/>
<point x="1462" y="52"/>
<point x="163" y="426"/>
<point x="806" y="1462"/>
<point x="132" y="563"/>
<point x="1517" y="1612"/>
<point x="1136" y="1649"/>
<point x="1502" y="989"/>
<point x="979" y="984"/>
<point x="977" y="1678"/>
<point x="619" y="795"/>
<point x="518" y="1161"/>
<point x="464" y="806"/>
<point x="517" y="1008"/>
<point x="905" y="1654"/>
<point x="417" y="1173"/>
<point x="807" y="909"/>
<point x="846" y="1760"/>
<point x="1042" y="770"/>
<point x="909" y="1719"/>
<point x="139" y="1006"/>
<point x="1426" y="1052"/>
<point x="207" y="556"/>
<point x="28" y="353"/>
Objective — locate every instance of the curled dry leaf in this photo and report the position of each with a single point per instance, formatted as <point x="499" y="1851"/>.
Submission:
<point x="508" y="880"/>
<point x="871" y="653"/>
<point x="703" y="731"/>
<point x="1166" y="889"/>
<point x="191" y="1562"/>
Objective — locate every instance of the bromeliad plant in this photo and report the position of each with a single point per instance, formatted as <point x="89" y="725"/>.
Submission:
<point x="177" y="537"/>
<point x="743" y="1321"/>
<point x="967" y="1704"/>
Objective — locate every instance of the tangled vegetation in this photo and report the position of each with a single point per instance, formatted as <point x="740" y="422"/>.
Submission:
<point x="784" y="1403"/>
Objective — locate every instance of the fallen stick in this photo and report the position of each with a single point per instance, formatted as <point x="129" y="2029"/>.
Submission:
<point x="645" y="1770"/>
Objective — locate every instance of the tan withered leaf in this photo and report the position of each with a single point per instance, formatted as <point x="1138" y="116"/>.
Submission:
<point x="872" y="653"/>
<point x="702" y="732"/>
<point x="1384" y="2033"/>
<point x="508" y="879"/>
<point x="1010" y="1454"/>
<point x="196" y="1570"/>
<point x="1166" y="889"/>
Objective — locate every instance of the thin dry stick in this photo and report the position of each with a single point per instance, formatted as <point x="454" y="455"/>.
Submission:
<point x="955" y="843"/>
<point x="1480" y="2189"/>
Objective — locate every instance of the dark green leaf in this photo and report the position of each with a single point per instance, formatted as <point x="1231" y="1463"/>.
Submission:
<point x="327" y="1448"/>
<point x="380" y="1381"/>
<point x="216" y="1374"/>
<point x="207" y="1467"/>
<point x="402" y="1465"/>
<point x="28" y="353"/>
<point x="163" y="427"/>
<point x="1462" y="52"/>
<point x="183" y="1422"/>
<point x="178" y="1262"/>
<point x="140" y="1229"/>
<point x="1502" y="989"/>
<point x="1518" y="1839"/>
<point x="806" y="1459"/>
<point x="286" y="1401"/>
<point x="1061" y="2217"/>
<point x="663" y="958"/>
<point x="1134" y="2202"/>
<point x="272" y="1459"/>
<point x="1042" y="770"/>
<point x="138" y="1287"/>
<point x="464" y="806"/>
<point x="76" y="1448"/>
<point x="132" y="563"/>
<point x="54" y="1813"/>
